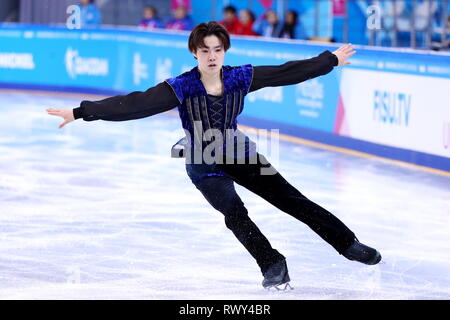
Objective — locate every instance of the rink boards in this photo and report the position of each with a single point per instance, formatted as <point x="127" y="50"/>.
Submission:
<point x="387" y="103"/>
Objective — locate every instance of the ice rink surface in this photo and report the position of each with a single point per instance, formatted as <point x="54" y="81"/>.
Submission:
<point x="99" y="210"/>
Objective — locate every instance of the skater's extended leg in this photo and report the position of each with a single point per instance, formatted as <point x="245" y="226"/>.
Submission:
<point x="276" y="190"/>
<point x="219" y="191"/>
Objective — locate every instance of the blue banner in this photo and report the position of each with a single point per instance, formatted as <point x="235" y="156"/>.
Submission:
<point x="122" y="61"/>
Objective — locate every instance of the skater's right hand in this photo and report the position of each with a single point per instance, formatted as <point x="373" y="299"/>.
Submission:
<point x="66" y="114"/>
<point x="343" y="53"/>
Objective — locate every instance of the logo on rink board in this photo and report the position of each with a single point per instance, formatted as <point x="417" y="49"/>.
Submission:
<point x="269" y="94"/>
<point x="13" y="60"/>
<point x="92" y="66"/>
<point x="163" y="69"/>
<point x="140" y="69"/>
<point x="392" y="107"/>
<point x="309" y="96"/>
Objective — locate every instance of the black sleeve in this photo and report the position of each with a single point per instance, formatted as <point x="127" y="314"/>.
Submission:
<point x="293" y="72"/>
<point x="135" y="105"/>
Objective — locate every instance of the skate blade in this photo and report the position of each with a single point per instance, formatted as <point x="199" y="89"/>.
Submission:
<point x="279" y="287"/>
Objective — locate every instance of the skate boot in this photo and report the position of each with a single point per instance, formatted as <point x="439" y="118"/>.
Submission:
<point x="277" y="275"/>
<point x="362" y="253"/>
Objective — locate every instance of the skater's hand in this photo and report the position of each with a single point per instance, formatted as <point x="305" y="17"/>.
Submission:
<point x="343" y="53"/>
<point x="66" y="114"/>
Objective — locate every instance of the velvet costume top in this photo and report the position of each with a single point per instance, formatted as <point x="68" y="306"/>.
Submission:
<point x="193" y="100"/>
<point x="188" y="94"/>
<point x="199" y="118"/>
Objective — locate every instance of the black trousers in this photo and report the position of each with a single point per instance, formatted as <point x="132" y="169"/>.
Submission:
<point x="218" y="189"/>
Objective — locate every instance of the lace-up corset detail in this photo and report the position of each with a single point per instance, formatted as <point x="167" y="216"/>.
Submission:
<point x="216" y="108"/>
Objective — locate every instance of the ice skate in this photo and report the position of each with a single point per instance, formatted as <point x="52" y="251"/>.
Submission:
<point x="362" y="253"/>
<point x="276" y="276"/>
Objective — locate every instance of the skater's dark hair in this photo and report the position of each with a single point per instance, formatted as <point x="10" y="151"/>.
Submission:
<point x="197" y="36"/>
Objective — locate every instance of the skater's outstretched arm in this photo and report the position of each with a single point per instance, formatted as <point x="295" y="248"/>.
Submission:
<point x="294" y="72"/>
<point x="135" y="105"/>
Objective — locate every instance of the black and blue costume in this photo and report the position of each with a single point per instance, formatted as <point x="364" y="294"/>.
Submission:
<point x="200" y="111"/>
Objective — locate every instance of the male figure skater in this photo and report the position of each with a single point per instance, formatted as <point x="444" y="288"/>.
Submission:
<point x="209" y="99"/>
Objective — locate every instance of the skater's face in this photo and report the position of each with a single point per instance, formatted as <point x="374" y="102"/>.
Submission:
<point x="210" y="57"/>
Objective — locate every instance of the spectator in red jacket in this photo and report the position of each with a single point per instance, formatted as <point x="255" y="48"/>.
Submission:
<point x="231" y="21"/>
<point x="246" y="19"/>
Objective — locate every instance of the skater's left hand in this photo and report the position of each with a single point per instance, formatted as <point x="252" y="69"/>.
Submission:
<point x="343" y="53"/>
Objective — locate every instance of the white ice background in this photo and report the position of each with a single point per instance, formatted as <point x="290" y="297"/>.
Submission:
<point x="99" y="210"/>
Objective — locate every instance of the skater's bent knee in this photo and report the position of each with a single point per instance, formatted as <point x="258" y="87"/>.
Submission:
<point x="230" y="206"/>
<point x="235" y="218"/>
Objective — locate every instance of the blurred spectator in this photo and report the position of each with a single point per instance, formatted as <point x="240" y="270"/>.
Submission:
<point x="90" y="15"/>
<point x="231" y="21"/>
<point x="268" y="25"/>
<point x="181" y="21"/>
<point x="246" y="20"/>
<point x="290" y="22"/>
<point x="437" y="43"/>
<point x="151" y="19"/>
